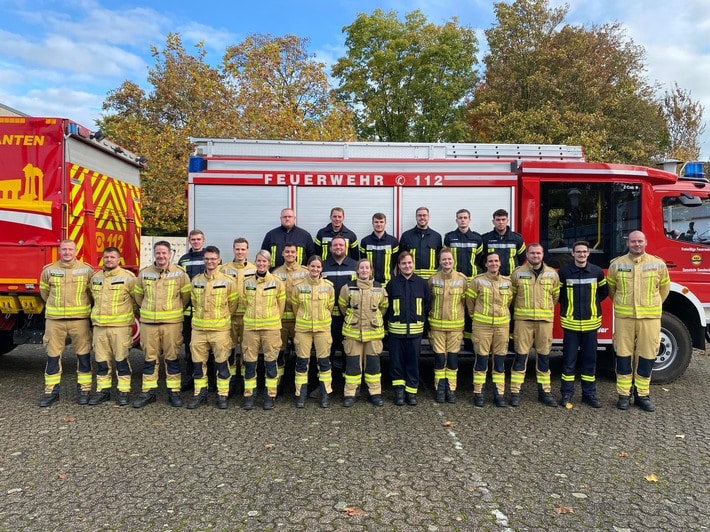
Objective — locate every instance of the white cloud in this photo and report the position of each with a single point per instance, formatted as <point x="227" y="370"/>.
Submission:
<point x="82" y="107"/>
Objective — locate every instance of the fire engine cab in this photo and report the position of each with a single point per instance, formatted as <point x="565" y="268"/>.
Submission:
<point x="554" y="197"/>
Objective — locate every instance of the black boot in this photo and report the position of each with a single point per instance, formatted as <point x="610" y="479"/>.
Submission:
<point x="122" y="398"/>
<point x="450" y="394"/>
<point x="514" y="399"/>
<point x="49" y="398"/>
<point x="324" y="397"/>
<point x="441" y="391"/>
<point x="411" y="399"/>
<point x="644" y="402"/>
<point x="100" y="397"/>
<point x="302" y="396"/>
<point x="399" y="395"/>
<point x="144" y="399"/>
<point x="249" y="401"/>
<point x="478" y="400"/>
<point x="498" y="398"/>
<point x="199" y="399"/>
<point x="376" y="400"/>
<point x="174" y="399"/>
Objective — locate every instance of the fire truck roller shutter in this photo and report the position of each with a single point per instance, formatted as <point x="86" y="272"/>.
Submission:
<point x="227" y="211"/>
<point x="87" y="156"/>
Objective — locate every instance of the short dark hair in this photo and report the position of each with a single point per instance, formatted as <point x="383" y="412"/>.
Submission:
<point x="580" y="243"/>
<point x="500" y="212"/>
<point x="111" y="249"/>
<point x="163" y="243"/>
<point x="211" y="249"/>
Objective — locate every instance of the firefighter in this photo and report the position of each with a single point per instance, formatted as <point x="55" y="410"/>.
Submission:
<point x="312" y="300"/>
<point x="488" y="300"/>
<point x="265" y="300"/>
<point x="214" y="298"/>
<point x="193" y="262"/>
<point x="466" y="245"/>
<point x="112" y="315"/>
<point x="336" y="228"/>
<point x="338" y="268"/>
<point x="290" y="273"/>
<point x="406" y="313"/>
<point x="504" y="241"/>
<point x="638" y="286"/>
<point x="288" y="232"/>
<point x="381" y="249"/>
<point x="162" y="292"/>
<point x="536" y="289"/>
<point x="582" y="289"/>
<point x="363" y="302"/>
<point x="64" y="286"/>
<point x="239" y="269"/>
<point x="446" y="322"/>
<point x="423" y="243"/>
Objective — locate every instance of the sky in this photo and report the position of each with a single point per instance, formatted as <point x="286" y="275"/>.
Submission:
<point x="61" y="58"/>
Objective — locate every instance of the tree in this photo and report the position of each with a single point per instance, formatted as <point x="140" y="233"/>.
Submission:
<point x="282" y="92"/>
<point x="407" y="81"/>
<point x="549" y="82"/>
<point x="190" y="98"/>
<point x="684" y="118"/>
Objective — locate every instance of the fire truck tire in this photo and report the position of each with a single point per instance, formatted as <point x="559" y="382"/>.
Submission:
<point x="6" y="342"/>
<point x="675" y="350"/>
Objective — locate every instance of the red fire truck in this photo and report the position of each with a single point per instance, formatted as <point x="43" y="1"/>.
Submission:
<point x="58" y="180"/>
<point x="238" y="187"/>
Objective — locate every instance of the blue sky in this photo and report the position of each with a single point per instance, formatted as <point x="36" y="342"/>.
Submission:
<point x="60" y="58"/>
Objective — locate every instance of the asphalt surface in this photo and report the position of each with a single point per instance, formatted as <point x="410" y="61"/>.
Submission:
<point x="431" y="467"/>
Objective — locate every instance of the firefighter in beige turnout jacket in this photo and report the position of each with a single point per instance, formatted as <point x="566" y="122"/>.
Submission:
<point x="162" y="292"/>
<point x="65" y="288"/>
<point x="536" y="289"/>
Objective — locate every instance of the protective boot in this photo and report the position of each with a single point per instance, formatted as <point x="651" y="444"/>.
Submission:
<point x="399" y="395"/>
<point x="144" y="399"/>
<point x="197" y="400"/>
<point x="82" y="396"/>
<point x="49" y="398"/>
<point x="441" y="391"/>
<point x="498" y="398"/>
<point x="324" y="396"/>
<point x="478" y="400"/>
<point x="450" y="394"/>
<point x="174" y="399"/>
<point x="302" y="396"/>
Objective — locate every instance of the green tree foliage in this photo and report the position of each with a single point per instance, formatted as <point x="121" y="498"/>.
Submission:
<point x="684" y="118"/>
<point x="407" y="80"/>
<point x="190" y="98"/>
<point x="549" y="82"/>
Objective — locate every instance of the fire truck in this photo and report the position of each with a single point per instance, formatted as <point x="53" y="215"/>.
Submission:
<point x="553" y="195"/>
<point x="59" y="180"/>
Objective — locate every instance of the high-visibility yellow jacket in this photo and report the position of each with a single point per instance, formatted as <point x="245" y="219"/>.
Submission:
<point x="162" y="293"/>
<point x="265" y="301"/>
<point x="363" y="303"/>
<point x="638" y="286"/>
<point x="66" y="289"/>
<point x="290" y="275"/>
<point x="448" y="299"/>
<point x="488" y="299"/>
<point x="239" y="271"/>
<point x="214" y="300"/>
<point x="535" y="294"/>
<point x="112" y="291"/>
<point x="312" y="302"/>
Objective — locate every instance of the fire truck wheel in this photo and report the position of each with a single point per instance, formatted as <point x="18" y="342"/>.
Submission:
<point x="6" y="342"/>
<point x="674" y="352"/>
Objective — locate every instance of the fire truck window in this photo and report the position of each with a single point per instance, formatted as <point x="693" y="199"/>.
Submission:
<point x="687" y="218"/>
<point x="576" y="211"/>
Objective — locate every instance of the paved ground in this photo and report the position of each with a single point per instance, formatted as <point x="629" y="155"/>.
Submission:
<point x="431" y="467"/>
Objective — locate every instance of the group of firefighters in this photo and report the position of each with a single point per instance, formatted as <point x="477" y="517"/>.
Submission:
<point x="342" y="299"/>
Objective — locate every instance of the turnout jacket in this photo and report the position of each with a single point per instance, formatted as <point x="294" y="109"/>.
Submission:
<point x="214" y="300"/>
<point x="408" y="305"/>
<point x="66" y="289"/>
<point x="582" y="291"/>
<point x="290" y="275"/>
<point x="193" y="262"/>
<point x="424" y="245"/>
<point x="638" y="287"/>
<point x="382" y="254"/>
<point x="162" y="294"/>
<point x="363" y="303"/>
<point x="112" y="291"/>
<point x="313" y="302"/>
<point x="448" y="300"/>
<point x="327" y="233"/>
<point x="535" y="294"/>
<point x="510" y="246"/>
<point x="239" y="271"/>
<point x="466" y="248"/>
<point x="488" y="299"/>
<point x="278" y="237"/>
<point x="265" y="301"/>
